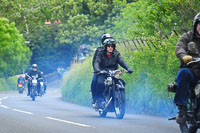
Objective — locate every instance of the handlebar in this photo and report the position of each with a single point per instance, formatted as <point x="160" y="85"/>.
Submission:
<point x="108" y="71"/>
<point x="194" y="60"/>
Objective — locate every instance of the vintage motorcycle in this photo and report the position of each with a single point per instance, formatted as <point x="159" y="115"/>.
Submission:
<point x="193" y="113"/>
<point x="33" y="86"/>
<point x="113" y="95"/>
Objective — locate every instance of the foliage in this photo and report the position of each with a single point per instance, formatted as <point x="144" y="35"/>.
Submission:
<point x="14" y="55"/>
<point x="9" y="84"/>
<point x="77" y="89"/>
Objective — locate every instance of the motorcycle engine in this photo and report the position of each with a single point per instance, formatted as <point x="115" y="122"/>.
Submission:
<point x="108" y="81"/>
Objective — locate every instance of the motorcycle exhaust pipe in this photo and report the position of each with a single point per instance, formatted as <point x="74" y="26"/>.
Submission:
<point x="107" y="104"/>
<point x="172" y="118"/>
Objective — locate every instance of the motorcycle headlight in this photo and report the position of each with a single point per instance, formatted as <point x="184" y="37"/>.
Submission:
<point x="108" y="81"/>
<point x="34" y="81"/>
<point x="118" y="74"/>
<point x="41" y="83"/>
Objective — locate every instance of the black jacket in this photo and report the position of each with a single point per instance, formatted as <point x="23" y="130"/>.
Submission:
<point x="96" y="53"/>
<point x="102" y="61"/>
<point x="33" y="73"/>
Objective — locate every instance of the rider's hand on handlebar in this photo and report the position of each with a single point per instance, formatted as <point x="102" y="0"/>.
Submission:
<point x="187" y="59"/>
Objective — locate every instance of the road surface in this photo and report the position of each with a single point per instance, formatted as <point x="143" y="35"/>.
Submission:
<point x="50" y="114"/>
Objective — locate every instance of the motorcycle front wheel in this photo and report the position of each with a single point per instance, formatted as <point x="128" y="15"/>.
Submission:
<point x="185" y="128"/>
<point x="33" y="94"/>
<point x="119" y="104"/>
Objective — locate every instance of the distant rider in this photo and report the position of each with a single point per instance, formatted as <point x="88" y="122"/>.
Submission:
<point x="33" y="72"/>
<point x="186" y="77"/>
<point x="21" y="79"/>
<point x="107" y="59"/>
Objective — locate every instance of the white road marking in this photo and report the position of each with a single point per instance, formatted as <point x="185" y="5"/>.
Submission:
<point x="69" y="122"/>
<point x="21" y="111"/>
<point x="3" y="106"/>
<point x="4" y="98"/>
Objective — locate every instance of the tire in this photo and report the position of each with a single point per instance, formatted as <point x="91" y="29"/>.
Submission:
<point x="185" y="128"/>
<point x="119" y="104"/>
<point x="33" y="94"/>
<point x="20" y="91"/>
<point x="192" y="129"/>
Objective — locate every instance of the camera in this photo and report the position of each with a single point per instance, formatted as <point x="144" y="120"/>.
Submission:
<point x="172" y="87"/>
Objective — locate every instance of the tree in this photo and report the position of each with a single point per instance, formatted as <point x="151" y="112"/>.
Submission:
<point x="14" y="54"/>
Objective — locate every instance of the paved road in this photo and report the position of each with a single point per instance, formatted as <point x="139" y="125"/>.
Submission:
<point x="49" y="114"/>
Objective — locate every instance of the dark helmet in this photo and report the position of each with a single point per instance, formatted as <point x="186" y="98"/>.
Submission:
<point x="34" y="66"/>
<point x="196" y="20"/>
<point x="105" y="36"/>
<point x="109" y="41"/>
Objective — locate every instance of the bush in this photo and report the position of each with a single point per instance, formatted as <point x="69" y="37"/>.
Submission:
<point x="8" y="84"/>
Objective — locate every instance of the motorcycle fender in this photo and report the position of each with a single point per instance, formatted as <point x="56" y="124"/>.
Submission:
<point x="120" y="87"/>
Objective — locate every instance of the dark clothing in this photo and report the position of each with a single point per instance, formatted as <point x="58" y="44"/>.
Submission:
<point x="187" y="76"/>
<point x="182" y="46"/>
<point x="94" y="79"/>
<point x="93" y="86"/>
<point x="34" y="73"/>
<point x="22" y="80"/>
<point x="96" y="53"/>
<point x="185" y="80"/>
<point x="102" y="61"/>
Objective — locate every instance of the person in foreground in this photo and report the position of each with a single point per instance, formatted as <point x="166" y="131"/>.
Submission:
<point x="107" y="59"/>
<point x="187" y="77"/>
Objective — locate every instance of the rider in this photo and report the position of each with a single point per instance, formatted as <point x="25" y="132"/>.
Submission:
<point x="21" y="79"/>
<point x="33" y="72"/>
<point x="107" y="59"/>
<point x="186" y="77"/>
<point x="94" y="80"/>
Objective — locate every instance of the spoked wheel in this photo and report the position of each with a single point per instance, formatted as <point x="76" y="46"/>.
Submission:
<point x="119" y="104"/>
<point x="185" y="128"/>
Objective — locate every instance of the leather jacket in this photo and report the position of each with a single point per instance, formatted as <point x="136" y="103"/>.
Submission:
<point x="102" y="61"/>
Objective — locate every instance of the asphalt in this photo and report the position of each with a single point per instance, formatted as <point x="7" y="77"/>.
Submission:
<point x="50" y="114"/>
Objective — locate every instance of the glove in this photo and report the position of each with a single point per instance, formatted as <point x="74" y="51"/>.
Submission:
<point x="187" y="58"/>
<point x="130" y="70"/>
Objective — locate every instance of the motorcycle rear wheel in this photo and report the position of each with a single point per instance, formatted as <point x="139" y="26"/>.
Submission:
<point x="119" y="104"/>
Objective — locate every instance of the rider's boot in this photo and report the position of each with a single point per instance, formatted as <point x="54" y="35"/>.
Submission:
<point x="94" y="104"/>
<point x="182" y="113"/>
